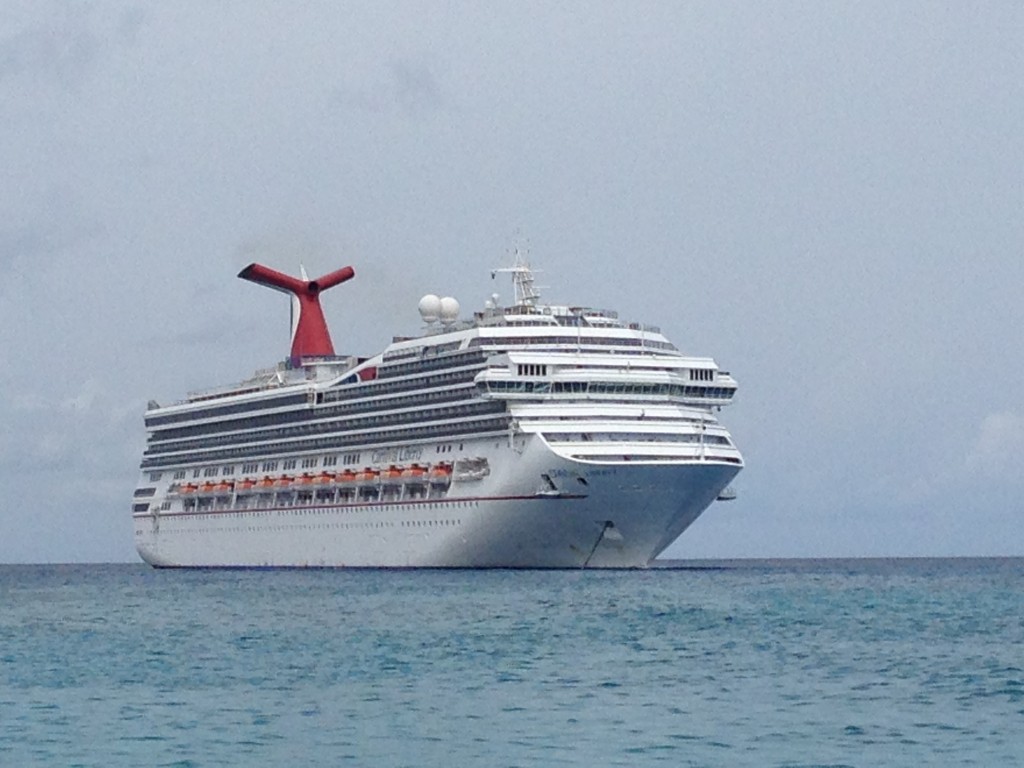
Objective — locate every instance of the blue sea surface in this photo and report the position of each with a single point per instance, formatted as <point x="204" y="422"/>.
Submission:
<point x="766" y="663"/>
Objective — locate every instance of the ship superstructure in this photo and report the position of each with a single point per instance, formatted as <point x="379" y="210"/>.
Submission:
<point x="529" y="435"/>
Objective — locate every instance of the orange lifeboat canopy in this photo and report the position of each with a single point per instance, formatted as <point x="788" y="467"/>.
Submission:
<point x="441" y="474"/>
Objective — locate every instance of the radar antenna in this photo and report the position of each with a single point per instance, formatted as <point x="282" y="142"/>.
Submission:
<point x="310" y="336"/>
<point x="522" y="279"/>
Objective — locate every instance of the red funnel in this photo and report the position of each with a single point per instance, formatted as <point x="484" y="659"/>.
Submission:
<point x="310" y="336"/>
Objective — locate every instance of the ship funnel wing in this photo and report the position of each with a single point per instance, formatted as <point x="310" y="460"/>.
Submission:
<point x="310" y="336"/>
<point x="331" y="279"/>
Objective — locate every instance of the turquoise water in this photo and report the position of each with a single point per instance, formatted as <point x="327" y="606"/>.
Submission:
<point x="860" y="663"/>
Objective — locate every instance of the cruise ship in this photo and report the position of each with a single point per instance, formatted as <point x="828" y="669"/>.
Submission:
<point x="529" y="435"/>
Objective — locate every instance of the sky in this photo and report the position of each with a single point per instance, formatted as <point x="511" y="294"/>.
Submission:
<point x="825" y="197"/>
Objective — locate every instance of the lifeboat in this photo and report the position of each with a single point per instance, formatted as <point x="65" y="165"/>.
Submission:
<point x="346" y="476"/>
<point x="223" y="486"/>
<point x="189" y="488"/>
<point x="284" y="481"/>
<point x="324" y="478"/>
<point x="266" y="482"/>
<point x="367" y="475"/>
<point x="306" y="479"/>
<point x="392" y="475"/>
<point x="245" y="485"/>
<point x="206" y="487"/>
<point x="441" y="474"/>
<point x="415" y="474"/>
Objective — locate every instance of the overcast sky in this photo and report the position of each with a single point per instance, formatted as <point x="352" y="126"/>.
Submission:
<point x="825" y="197"/>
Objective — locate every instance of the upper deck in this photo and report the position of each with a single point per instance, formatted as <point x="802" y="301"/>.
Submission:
<point x="597" y="338"/>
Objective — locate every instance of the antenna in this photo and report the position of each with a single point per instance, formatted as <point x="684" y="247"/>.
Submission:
<point x="522" y="279"/>
<point x="310" y="336"/>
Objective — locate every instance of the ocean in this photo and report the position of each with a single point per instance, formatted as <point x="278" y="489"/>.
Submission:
<point x="738" y="663"/>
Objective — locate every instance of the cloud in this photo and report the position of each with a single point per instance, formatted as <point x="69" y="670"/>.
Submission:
<point x="407" y="88"/>
<point x="68" y="461"/>
<point x="39" y="241"/>
<point x="998" y="445"/>
<point x="84" y="430"/>
<point x="60" y="48"/>
<point x="64" y="43"/>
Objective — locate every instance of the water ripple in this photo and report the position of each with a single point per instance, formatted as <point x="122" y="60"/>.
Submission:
<point x="753" y="665"/>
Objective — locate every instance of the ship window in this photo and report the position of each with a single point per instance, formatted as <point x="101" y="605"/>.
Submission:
<point x="140" y="507"/>
<point x="288" y="464"/>
<point x="195" y="473"/>
<point x="476" y="426"/>
<point x="228" y="470"/>
<point x="179" y="475"/>
<point x="309" y="463"/>
<point x="531" y="369"/>
<point x="210" y="472"/>
<point x="154" y="476"/>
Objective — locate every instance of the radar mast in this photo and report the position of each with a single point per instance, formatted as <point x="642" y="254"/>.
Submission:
<point x="522" y="280"/>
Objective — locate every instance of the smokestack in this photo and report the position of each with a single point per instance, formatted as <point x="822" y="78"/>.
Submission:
<point x="310" y="336"/>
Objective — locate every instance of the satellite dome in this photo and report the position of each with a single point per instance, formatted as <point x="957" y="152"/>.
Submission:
<point x="449" y="310"/>
<point x="430" y="308"/>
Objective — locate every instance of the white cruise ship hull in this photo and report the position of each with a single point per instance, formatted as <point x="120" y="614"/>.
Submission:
<point x="536" y="510"/>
